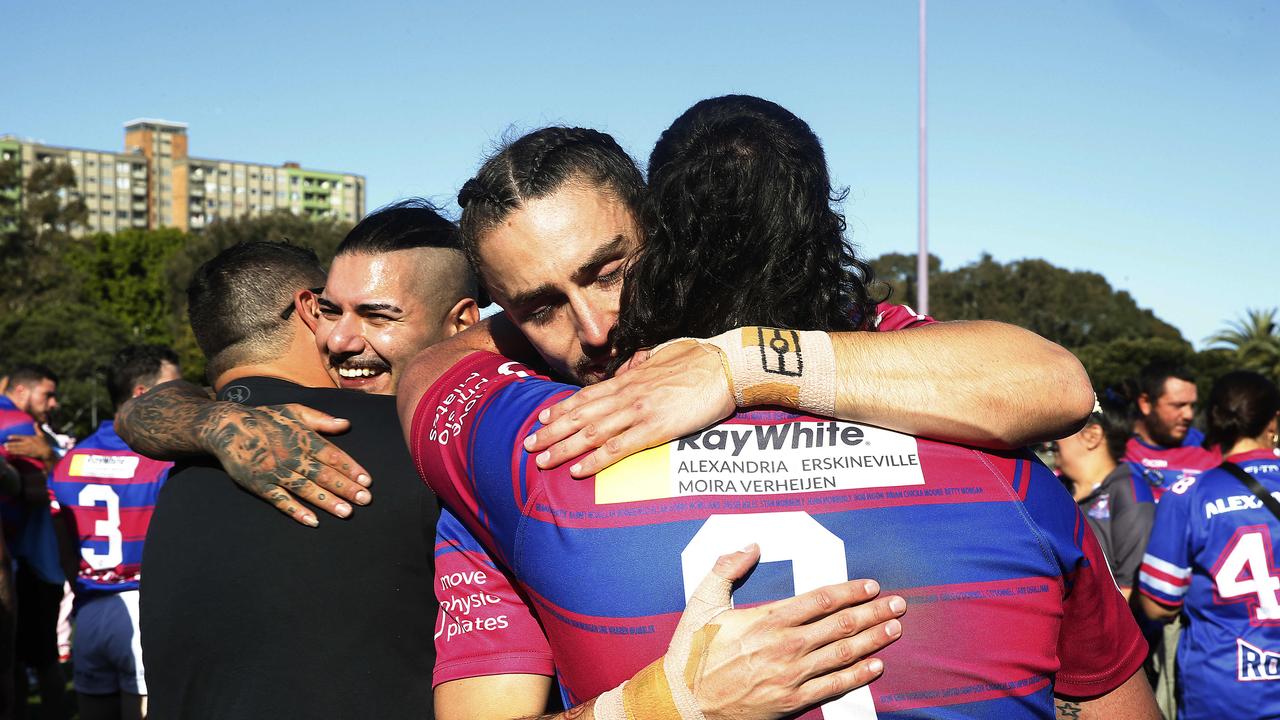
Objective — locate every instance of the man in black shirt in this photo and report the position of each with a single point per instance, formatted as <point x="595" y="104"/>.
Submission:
<point x="246" y="616"/>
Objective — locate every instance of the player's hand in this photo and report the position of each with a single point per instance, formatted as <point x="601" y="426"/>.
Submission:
<point x="775" y="659"/>
<point x="275" y="453"/>
<point x="652" y="400"/>
<point x="32" y="446"/>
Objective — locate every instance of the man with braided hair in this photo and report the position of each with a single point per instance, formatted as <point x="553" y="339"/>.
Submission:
<point x="972" y="539"/>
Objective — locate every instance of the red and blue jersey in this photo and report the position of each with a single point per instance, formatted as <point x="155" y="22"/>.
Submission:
<point x="972" y="539"/>
<point x="107" y="492"/>
<point x="1163" y="466"/>
<point x="28" y="526"/>
<point x="12" y="510"/>
<point x="1213" y="553"/>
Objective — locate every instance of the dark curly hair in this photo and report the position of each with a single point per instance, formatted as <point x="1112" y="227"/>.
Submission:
<point x="741" y="231"/>
<point x="1241" y="404"/>
<point x="537" y="165"/>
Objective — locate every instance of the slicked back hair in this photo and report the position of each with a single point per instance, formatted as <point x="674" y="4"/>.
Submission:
<point x="239" y="301"/>
<point x="1240" y="405"/>
<point x="537" y="165"/>
<point x="741" y="231"/>
<point x="402" y="225"/>
<point x="405" y="225"/>
<point x="136" y="365"/>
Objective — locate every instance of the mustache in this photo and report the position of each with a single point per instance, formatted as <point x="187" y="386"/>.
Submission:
<point x="355" y="362"/>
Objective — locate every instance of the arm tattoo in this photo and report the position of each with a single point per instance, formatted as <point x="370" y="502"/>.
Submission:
<point x="165" y="423"/>
<point x="263" y="449"/>
<point x="1067" y="710"/>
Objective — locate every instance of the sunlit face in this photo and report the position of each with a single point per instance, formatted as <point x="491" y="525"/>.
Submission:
<point x="373" y="320"/>
<point x="556" y="267"/>
<point x="36" y="399"/>
<point x="1169" y="418"/>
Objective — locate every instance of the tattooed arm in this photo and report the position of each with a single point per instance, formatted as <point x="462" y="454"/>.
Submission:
<point x="1132" y="700"/>
<point x="271" y="451"/>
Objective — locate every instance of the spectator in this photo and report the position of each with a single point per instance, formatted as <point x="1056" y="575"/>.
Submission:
<point x="31" y="395"/>
<point x="1164" y="443"/>
<point x="1113" y="494"/>
<point x="1211" y="559"/>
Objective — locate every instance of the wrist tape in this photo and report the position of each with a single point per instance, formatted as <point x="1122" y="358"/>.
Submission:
<point x="664" y="690"/>
<point x="772" y="366"/>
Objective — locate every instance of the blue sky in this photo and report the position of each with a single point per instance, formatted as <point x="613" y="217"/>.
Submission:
<point x="1134" y="138"/>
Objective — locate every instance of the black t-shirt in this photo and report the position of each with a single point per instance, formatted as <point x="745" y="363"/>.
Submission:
<point x="248" y="614"/>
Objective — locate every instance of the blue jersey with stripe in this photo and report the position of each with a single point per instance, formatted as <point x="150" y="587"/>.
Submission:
<point x="1212" y="553"/>
<point x="971" y="539"/>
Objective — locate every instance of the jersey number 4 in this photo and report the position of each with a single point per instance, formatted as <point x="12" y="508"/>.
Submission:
<point x="817" y="558"/>
<point x="1245" y="573"/>
<point x="109" y="528"/>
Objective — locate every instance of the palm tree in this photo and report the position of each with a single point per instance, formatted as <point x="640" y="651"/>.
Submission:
<point x="1255" y="341"/>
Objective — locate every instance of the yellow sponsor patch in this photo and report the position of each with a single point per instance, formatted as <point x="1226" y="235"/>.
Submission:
<point x="643" y="476"/>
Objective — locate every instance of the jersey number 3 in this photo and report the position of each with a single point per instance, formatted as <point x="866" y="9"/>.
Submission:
<point x="817" y="558"/>
<point x="91" y="495"/>
<point x="1249" y="554"/>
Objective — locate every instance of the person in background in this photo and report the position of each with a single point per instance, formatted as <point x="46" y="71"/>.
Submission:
<point x="1113" y="494"/>
<point x="28" y="400"/>
<point x="104" y="494"/>
<point x="1164" y="443"/>
<point x="1211" y="560"/>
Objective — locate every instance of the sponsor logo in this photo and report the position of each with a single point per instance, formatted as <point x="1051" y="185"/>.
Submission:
<point x="1253" y="663"/>
<point x="793" y="457"/>
<point x="457" y="611"/>
<point x="1233" y="503"/>
<point x="236" y="394"/>
<point x="1155" y="463"/>
<point x="118" y="467"/>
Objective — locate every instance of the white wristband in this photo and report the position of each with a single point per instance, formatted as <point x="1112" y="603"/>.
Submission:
<point x="773" y="366"/>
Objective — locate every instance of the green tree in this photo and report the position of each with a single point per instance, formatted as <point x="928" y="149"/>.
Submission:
<point x="898" y="271"/>
<point x="124" y="275"/>
<point x="31" y="250"/>
<point x="10" y="195"/>
<point x="77" y="341"/>
<point x="1253" y="341"/>
<point x="1071" y="307"/>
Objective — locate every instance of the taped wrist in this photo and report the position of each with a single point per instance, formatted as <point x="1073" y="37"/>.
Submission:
<point x="773" y="366"/>
<point x="664" y="689"/>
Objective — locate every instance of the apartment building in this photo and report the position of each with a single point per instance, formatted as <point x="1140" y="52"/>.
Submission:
<point x="156" y="183"/>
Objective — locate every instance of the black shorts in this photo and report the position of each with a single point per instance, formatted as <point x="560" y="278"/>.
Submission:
<point x="37" y="633"/>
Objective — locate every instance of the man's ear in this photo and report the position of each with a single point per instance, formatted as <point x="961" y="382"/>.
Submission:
<point x="307" y="305"/>
<point x="1144" y="404"/>
<point x="462" y="315"/>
